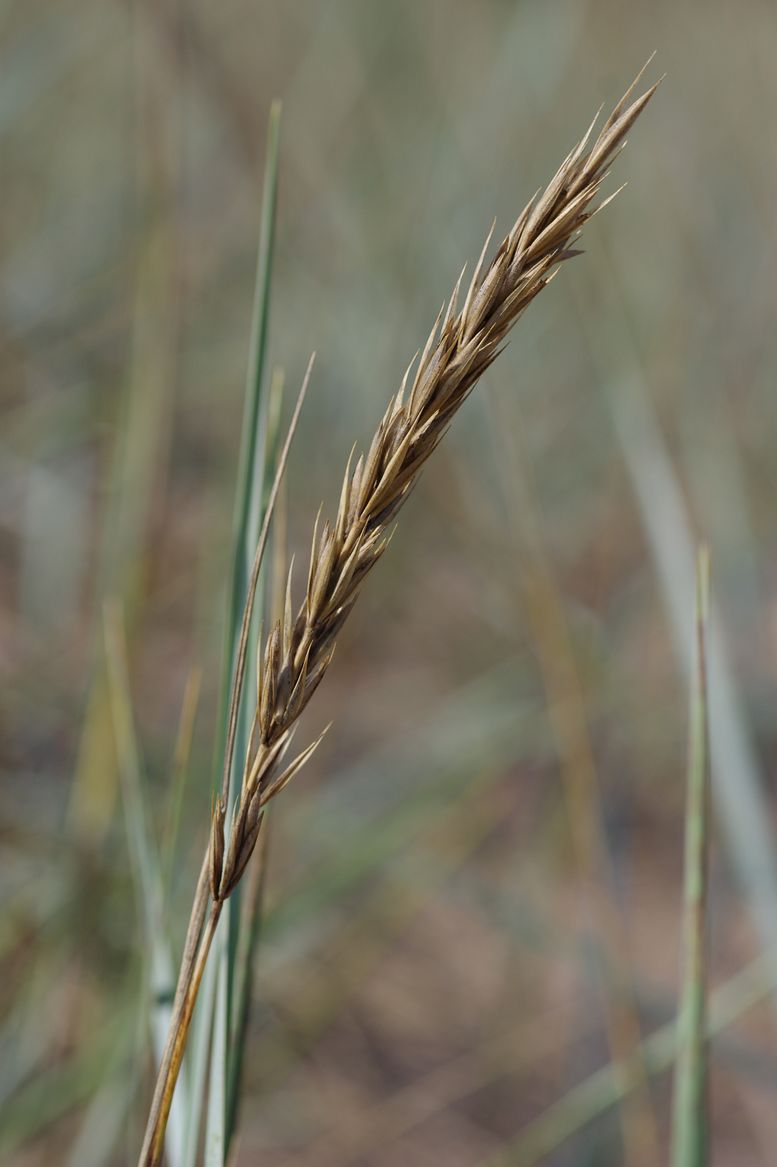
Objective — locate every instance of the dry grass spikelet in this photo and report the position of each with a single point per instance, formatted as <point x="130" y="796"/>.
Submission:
<point x="461" y="346"/>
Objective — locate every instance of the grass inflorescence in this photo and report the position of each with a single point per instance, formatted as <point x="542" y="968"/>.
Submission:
<point x="296" y="653"/>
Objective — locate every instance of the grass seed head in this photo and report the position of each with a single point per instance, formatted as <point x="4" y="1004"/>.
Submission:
<point x="459" y="349"/>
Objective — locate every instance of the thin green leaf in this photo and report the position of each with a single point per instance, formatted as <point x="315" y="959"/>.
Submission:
<point x="251" y="492"/>
<point x="145" y="865"/>
<point x="690" y="1128"/>
<point x="251" y="468"/>
<point x="257" y="568"/>
<point x="251" y="894"/>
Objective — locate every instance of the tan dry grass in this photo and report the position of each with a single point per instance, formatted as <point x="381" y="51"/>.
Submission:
<point x="460" y="348"/>
<point x="298" y="650"/>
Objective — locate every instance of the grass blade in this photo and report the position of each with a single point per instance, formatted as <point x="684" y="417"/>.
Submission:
<point x="144" y="861"/>
<point x="690" y="1126"/>
<point x="251" y="493"/>
<point x="251" y="471"/>
<point x="250" y="901"/>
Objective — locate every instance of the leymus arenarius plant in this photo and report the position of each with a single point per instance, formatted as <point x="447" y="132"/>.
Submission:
<point x="298" y="650"/>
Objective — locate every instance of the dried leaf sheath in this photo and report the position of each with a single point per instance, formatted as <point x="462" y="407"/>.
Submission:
<point x="460" y="348"/>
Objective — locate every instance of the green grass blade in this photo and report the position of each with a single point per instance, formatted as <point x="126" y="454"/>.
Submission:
<point x="690" y="1134"/>
<point x="246" y="932"/>
<point x="210" y="1051"/>
<point x="145" y="865"/>
<point x="251" y="470"/>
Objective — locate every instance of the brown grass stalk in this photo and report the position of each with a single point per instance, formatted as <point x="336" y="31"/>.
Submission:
<point x="298" y="650"/>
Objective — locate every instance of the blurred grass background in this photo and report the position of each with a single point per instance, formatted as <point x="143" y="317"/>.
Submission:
<point x="475" y="888"/>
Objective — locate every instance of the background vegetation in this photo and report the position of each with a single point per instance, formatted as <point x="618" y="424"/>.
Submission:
<point x="475" y="888"/>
